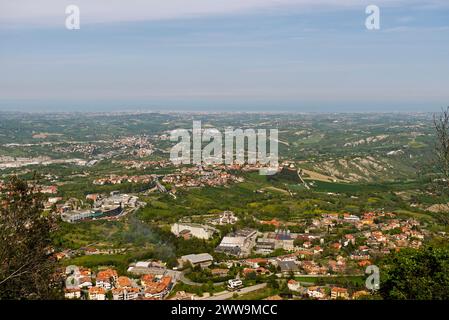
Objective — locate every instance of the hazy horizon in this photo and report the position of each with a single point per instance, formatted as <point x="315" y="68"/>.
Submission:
<point x="218" y="106"/>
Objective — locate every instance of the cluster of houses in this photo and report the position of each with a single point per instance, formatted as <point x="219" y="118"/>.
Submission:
<point x="198" y="177"/>
<point x="115" y="179"/>
<point x="87" y="149"/>
<point x="317" y="251"/>
<point x="226" y="217"/>
<point x="380" y="232"/>
<point x="324" y="292"/>
<point x="82" y="283"/>
<point x="373" y="234"/>
<point x="144" y="164"/>
<point x="311" y="252"/>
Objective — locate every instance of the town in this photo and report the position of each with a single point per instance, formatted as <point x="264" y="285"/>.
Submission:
<point x="133" y="225"/>
<point x="254" y="259"/>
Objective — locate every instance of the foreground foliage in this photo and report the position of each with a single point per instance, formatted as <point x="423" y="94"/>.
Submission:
<point x="416" y="274"/>
<point x="27" y="268"/>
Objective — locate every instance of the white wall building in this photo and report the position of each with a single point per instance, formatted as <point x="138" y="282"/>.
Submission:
<point x="197" y="230"/>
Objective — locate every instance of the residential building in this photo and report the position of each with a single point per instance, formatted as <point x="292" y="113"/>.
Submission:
<point x="217" y="272"/>
<point x="293" y="285"/>
<point x="158" y="288"/>
<point x="97" y="293"/>
<point x="227" y="217"/>
<point x="316" y="292"/>
<point x="125" y="294"/>
<point x="72" y="293"/>
<point x="106" y="278"/>
<point x="339" y="293"/>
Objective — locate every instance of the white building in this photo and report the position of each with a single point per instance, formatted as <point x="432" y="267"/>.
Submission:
<point x="85" y="282"/>
<point x="293" y="285"/>
<point x="196" y="230"/>
<point x="239" y="243"/>
<point x="74" y="293"/>
<point x="96" y="293"/>
<point x="74" y="216"/>
<point x="227" y="217"/>
<point x="125" y="294"/>
<point x="316" y="292"/>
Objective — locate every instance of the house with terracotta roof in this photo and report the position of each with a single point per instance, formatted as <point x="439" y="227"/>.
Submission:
<point x="316" y="292"/>
<point x="125" y="293"/>
<point x="218" y="272"/>
<point x="302" y="254"/>
<point x="182" y="295"/>
<point x="146" y="279"/>
<point x="256" y="262"/>
<point x="97" y="293"/>
<point x="337" y="266"/>
<point x="311" y="267"/>
<point x="85" y="272"/>
<point x="336" y="246"/>
<point x="360" y="294"/>
<point x="85" y="282"/>
<point x="257" y="271"/>
<point x="317" y="250"/>
<point x="293" y="285"/>
<point x="156" y="288"/>
<point x="349" y="238"/>
<point x="93" y="197"/>
<point x="272" y="222"/>
<point x="307" y="244"/>
<point x="108" y="273"/>
<point x="118" y="294"/>
<point x="49" y="189"/>
<point x="274" y="298"/>
<point x="72" y="293"/>
<point x="364" y="263"/>
<point x="123" y="282"/>
<point x="106" y="278"/>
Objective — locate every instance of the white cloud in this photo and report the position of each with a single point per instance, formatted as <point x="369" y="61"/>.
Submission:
<point x="50" y="12"/>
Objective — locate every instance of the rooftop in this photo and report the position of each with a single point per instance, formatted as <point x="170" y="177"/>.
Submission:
<point x="198" y="258"/>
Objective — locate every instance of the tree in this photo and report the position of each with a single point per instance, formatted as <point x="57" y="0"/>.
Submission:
<point x="441" y="124"/>
<point x="251" y="276"/>
<point x="272" y="282"/>
<point x="416" y="274"/>
<point x="27" y="268"/>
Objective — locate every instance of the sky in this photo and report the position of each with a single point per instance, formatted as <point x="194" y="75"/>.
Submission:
<point x="224" y="55"/>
